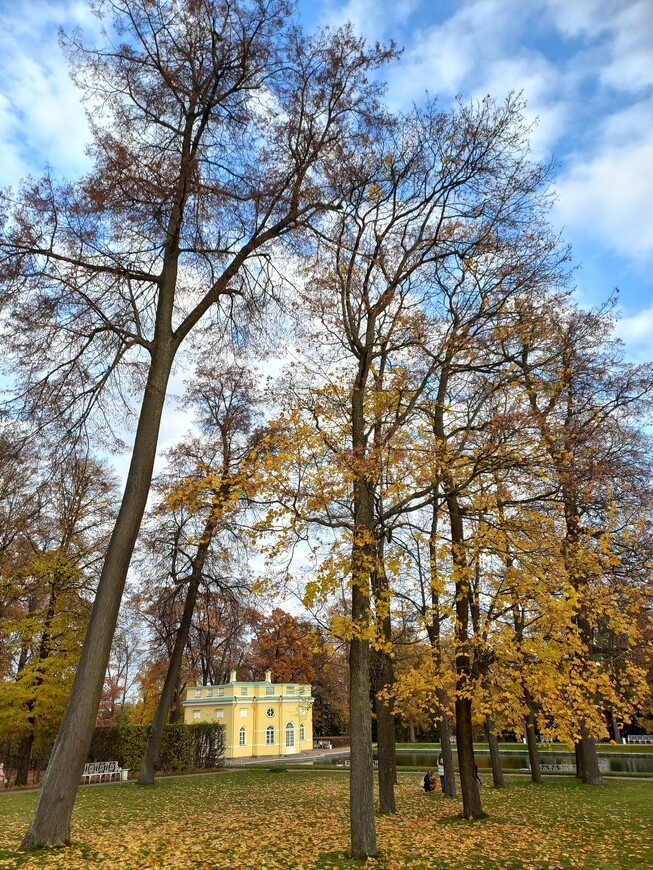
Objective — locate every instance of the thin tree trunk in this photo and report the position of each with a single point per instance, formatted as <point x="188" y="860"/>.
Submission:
<point x="445" y="745"/>
<point x="433" y="631"/>
<point x="412" y="737"/>
<point x="385" y="719"/>
<point x="614" y="726"/>
<point x="50" y="824"/>
<point x="533" y="754"/>
<point x="495" y="756"/>
<point x="464" y="726"/>
<point x="151" y="755"/>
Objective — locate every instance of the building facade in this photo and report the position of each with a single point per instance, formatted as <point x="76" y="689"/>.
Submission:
<point x="260" y="718"/>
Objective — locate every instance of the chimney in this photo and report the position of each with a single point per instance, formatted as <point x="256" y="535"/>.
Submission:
<point x="232" y="675"/>
<point x="268" y="675"/>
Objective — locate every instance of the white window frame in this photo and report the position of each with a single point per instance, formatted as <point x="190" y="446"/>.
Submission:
<point x="290" y="735"/>
<point x="269" y="735"/>
<point x="242" y="736"/>
<point x="302" y="732"/>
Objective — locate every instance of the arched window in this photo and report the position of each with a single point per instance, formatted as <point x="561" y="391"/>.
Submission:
<point x="302" y="732"/>
<point x="269" y="735"/>
<point x="243" y="737"/>
<point x="290" y="734"/>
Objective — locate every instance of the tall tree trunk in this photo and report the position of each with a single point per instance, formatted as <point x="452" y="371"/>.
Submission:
<point x="433" y="631"/>
<point x="361" y="778"/>
<point x="385" y="678"/>
<point x="590" y="772"/>
<point x="386" y="741"/>
<point x="472" y="808"/>
<point x="495" y="756"/>
<point x="533" y="754"/>
<point x="464" y="726"/>
<point x="445" y="745"/>
<point x="50" y="824"/>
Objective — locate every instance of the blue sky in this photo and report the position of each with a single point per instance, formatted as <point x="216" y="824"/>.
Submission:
<point x="584" y="66"/>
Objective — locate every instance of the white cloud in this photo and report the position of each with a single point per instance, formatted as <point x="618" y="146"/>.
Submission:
<point x="369" y="17"/>
<point x="636" y="331"/>
<point x="41" y="117"/>
<point x="622" y="29"/>
<point x="608" y="196"/>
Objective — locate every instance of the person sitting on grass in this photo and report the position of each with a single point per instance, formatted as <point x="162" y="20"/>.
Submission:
<point x="429" y="781"/>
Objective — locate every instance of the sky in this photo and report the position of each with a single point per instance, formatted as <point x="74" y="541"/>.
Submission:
<point x="585" y="68"/>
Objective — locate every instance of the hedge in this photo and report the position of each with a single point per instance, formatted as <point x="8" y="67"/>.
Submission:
<point x="184" y="747"/>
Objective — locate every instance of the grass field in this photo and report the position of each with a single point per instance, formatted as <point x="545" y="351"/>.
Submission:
<point x="290" y="820"/>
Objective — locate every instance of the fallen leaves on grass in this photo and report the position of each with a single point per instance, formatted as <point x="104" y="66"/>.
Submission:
<point x="250" y="819"/>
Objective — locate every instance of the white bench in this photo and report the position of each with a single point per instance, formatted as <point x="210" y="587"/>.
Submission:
<point x="103" y="771"/>
<point x="322" y="744"/>
<point x="640" y="738"/>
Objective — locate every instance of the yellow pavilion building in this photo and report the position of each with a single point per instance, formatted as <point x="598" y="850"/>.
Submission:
<point x="260" y="718"/>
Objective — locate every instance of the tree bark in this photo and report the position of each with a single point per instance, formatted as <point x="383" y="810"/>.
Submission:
<point x="445" y="745"/>
<point x="590" y="772"/>
<point x="50" y="824"/>
<point x="385" y="678"/>
<point x="579" y="761"/>
<point x="361" y="780"/>
<point x="24" y="758"/>
<point x="472" y="808"/>
<point x="495" y="756"/>
<point x="533" y="755"/>
<point x="386" y="741"/>
<point x="614" y="726"/>
<point x="412" y="737"/>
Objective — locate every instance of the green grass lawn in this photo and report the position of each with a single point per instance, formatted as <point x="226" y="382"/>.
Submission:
<point x="297" y="819"/>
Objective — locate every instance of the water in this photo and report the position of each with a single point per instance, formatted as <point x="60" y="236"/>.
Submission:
<point x="514" y="760"/>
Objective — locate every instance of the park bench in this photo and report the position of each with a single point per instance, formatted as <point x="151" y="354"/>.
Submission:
<point x="322" y="744"/>
<point x="103" y="771"/>
<point x="640" y="738"/>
